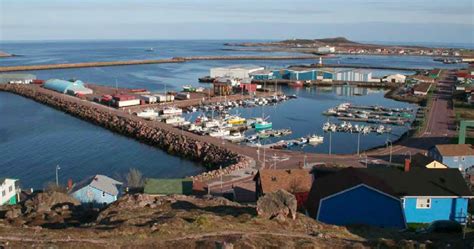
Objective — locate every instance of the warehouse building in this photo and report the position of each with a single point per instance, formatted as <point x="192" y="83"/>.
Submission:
<point x="17" y="78"/>
<point x="235" y="72"/>
<point x="262" y="75"/>
<point x="69" y="87"/>
<point x="394" y="78"/>
<point x="353" y="75"/>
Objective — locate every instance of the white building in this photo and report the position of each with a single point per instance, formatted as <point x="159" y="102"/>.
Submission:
<point x="17" y="78"/>
<point x="235" y="72"/>
<point x="395" y="78"/>
<point x="353" y="75"/>
<point x="326" y="49"/>
<point x="8" y="191"/>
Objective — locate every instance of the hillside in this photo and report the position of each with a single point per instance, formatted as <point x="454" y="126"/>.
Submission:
<point x="54" y="219"/>
<point x="3" y="54"/>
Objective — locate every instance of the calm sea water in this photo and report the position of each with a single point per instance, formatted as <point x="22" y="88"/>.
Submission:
<point x="35" y="138"/>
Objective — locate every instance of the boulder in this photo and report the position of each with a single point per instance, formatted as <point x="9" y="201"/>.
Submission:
<point x="45" y="202"/>
<point x="13" y="212"/>
<point x="279" y="204"/>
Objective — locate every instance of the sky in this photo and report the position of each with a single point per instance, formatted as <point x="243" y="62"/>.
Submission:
<point x="361" y="20"/>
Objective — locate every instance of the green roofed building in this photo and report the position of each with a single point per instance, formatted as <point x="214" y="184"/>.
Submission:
<point x="179" y="186"/>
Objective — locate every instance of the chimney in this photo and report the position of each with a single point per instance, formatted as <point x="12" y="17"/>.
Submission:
<point x="69" y="184"/>
<point x="407" y="164"/>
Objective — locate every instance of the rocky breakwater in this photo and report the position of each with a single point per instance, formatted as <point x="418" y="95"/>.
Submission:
<point x="210" y="155"/>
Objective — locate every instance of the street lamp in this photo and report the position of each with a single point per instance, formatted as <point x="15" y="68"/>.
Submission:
<point x="57" y="178"/>
<point x="391" y="145"/>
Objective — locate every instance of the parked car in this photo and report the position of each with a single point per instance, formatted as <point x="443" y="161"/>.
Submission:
<point x="443" y="226"/>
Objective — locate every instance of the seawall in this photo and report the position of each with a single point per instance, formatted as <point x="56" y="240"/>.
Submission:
<point x="210" y="155"/>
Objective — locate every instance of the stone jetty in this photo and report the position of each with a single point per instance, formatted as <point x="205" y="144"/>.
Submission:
<point x="210" y="155"/>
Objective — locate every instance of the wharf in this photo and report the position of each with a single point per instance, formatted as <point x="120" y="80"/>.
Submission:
<point x="314" y="66"/>
<point x="326" y="83"/>
<point x="142" y="62"/>
<point x="387" y="120"/>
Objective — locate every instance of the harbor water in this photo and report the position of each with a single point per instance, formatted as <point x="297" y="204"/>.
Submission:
<point x="35" y="138"/>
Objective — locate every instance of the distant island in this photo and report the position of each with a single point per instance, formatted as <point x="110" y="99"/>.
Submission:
<point x="341" y="45"/>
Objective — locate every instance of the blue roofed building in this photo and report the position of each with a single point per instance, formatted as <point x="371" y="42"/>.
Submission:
<point x="262" y="75"/>
<point x="389" y="197"/>
<point x="97" y="190"/>
<point x="69" y="87"/>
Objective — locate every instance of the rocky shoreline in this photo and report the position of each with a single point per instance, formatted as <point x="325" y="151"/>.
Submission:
<point x="211" y="156"/>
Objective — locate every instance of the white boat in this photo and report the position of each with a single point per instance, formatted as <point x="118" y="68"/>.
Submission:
<point x="148" y="114"/>
<point x="212" y="123"/>
<point x="362" y="115"/>
<point x="380" y="129"/>
<point x="219" y="133"/>
<point x="174" y="120"/>
<point x="326" y="126"/>
<point x="331" y="111"/>
<point x="235" y="137"/>
<point x="170" y="111"/>
<point x="333" y="128"/>
<point x="315" y="139"/>
<point x="366" y="130"/>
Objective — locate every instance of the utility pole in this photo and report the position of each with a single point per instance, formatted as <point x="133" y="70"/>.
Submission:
<point x="330" y="142"/>
<point x="358" y="143"/>
<point x="57" y="178"/>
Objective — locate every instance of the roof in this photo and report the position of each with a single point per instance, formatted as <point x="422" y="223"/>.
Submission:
<point x="64" y="85"/>
<point x="245" y="67"/>
<point x="339" y="181"/>
<point x="455" y="149"/>
<point x="264" y="72"/>
<point x="244" y="192"/>
<point x="100" y="182"/>
<point x="420" y="161"/>
<point x="392" y="181"/>
<point x="422" y="87"/>
<point x="168" y="186"/>
<point x="291" y="180"/>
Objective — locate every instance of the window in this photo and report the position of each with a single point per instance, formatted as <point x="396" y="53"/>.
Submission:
<point x="455" y="158"/>
<point x="10" y="189"/>
<point x="463" y="159"/>
<point x="423" y="203"/>
<point x="103" y="194"/>
<point x="3" y="193"/>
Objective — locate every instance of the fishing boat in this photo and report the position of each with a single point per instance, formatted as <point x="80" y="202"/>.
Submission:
<point x="326" y="126"/>
<point x="262" y="125"/>
<point x="174" y="120"/>
<point x="333" y="128"/>
<point x="188" y="88"/>
<point x="315" y="139"/>
<point x="366" y="130"/>
<point x="251" y="138"/>
<point x="148" y="114"/>
<point x="170" y="111"/>
<point x="150" y="49"/>
<point x="236" y="120"/>
<point x="219" y="133"/>
<point x="235" y="137"/>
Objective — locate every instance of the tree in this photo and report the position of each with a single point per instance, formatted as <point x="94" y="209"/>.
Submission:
<point x="134" y="178"/>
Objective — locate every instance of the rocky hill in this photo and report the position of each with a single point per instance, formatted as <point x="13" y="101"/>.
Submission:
<point x="54" y="219"/>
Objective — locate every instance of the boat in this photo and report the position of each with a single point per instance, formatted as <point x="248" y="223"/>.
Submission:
<point x="262" y="125"/>
<point x="362" y="115"/>
<point x="236" y="120"/>
<point x="326" y="126"/>
<point x="219" y="133"/>
<point x="235" y="137"/>
<point x="366" y="130"/>
<point x="333" y="128"/>
<point x="150" y="49"/>
<point x="148" y="114"/>
<point x="212" y="123"/>
<point x="188" y="88"/>
<point x="315" y="139"/>
<point x="380" y="129"/>
<point x="251" y="138"/>
<point x="170" y="111"/>
<point x="174" y="120"/>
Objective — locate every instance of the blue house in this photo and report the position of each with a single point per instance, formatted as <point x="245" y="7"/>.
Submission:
<point x="458" y="156"/>
<point x="389" y="197"/>
<point x="96" y="190"/>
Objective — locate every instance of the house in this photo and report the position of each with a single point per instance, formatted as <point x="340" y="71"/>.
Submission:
<point x="352" y="196"/>
<point x="422" y="89"/>
<point x="244" y="192"/>
<point x="295" y="181"/>
<point x="96" y="190"/>
<point x="394" y="78"/>
<point x="180" y="186"/>
<point x="10" y="191"/>
<point x="389" y="197"/>
<point x="326" y="49"/>
<point x="458" y="156"/>
<point x="421" y="161"/>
